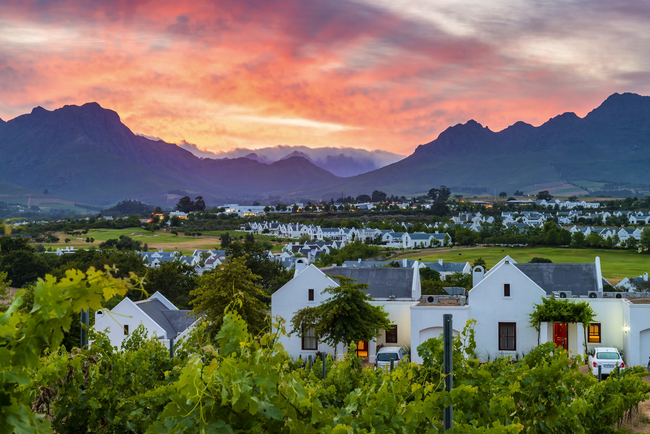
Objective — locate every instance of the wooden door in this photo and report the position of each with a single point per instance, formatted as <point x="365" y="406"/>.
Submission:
<point x="561" y="335"/>
<point x="362" y="349"/>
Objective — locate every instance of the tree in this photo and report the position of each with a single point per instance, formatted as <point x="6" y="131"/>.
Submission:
<point x="519" y="193"/>
<point x="304" y="238"/>
<point x="444" y="193"/>
<point x="185" y="204"/>
<point x="175" y="280"/>
<point x="479" y="262"/>
<point x="433" y="194"/>
<point x="346" y="317"/>
<point x="5" y="298"/>
<point x="577" y="239"/>
<point x="175" y="221"/>
<point x="363" y="198"/>
<point x="644" y="242"/>
<point x="225" y="240"/>
<point x="233" y="286"/>
<point x="199" y="204"/>
<point x="544" y="195"/>
<point x="503" y="194"/>
<point x="378" y="196"/>
<point x="538" y="260"/>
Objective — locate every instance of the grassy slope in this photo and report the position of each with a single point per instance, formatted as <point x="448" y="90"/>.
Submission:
<point x="615" y="264"/>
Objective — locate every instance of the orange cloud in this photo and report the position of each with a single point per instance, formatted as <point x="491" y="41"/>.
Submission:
<point x="319" y="73"/>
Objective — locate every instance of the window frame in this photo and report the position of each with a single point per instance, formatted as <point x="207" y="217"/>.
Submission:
<point x="589" y="334"/>
<point x="506" y="290"/>
<point x="393" y="331"/>
<point x="126" y="329"/>
<point x="514" y="336"/>
<point x="304" y="336"/>
<point x="311" y="294"/>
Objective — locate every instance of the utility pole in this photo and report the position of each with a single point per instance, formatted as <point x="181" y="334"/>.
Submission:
<point x="447" y="363"/>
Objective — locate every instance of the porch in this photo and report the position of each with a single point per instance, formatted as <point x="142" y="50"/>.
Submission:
<point x="570" y="336"/>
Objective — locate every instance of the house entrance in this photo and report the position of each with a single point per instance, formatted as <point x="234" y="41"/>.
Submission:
<point x="362" y="349"/>
<point x="561" y="335"/>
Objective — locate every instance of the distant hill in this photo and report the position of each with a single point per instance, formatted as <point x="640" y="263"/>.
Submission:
<point x="610" y="144"/>
<point x="86" y="153"/>
<point x="342" y="162"/>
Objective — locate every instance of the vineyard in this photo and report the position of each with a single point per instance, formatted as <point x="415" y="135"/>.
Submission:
<point x="240" y="383"/>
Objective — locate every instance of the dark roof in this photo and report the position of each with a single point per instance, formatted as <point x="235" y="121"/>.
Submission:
<point x="578" y="279"/>
<point x="173" y="322"/>
<point x="383" y="282"/>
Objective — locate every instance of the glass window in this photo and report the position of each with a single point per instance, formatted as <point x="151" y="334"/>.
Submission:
<point x="507" y="336"/>
<point x="506" y="290"/>
<point x="391" y="335"/>
<point x="126" y="329"/>
<point x="309" y="341"/>
<point x="385" y="357"/>
<point x="593" y="335"/>
<point x="311" y="295"/>
<point x="607" y="356"/>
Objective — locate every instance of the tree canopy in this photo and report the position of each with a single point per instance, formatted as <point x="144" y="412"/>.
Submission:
<point x="346" y="317"/>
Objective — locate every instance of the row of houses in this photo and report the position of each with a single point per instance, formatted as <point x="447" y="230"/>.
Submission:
<point x="500" y="301"/>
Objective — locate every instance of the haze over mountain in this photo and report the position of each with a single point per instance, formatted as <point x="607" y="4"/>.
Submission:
<point x="611" y="143"/>
<point x="88" y="154"/>
<point x="342" y="162"/>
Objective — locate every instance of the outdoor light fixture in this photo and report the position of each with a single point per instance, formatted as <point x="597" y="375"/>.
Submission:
<point x="626" y="329"/>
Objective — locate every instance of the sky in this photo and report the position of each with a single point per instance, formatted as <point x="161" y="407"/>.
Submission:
<point x="375" y="74"/>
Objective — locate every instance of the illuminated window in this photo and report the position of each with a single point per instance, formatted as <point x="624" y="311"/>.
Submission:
<point x="593" y="335"/>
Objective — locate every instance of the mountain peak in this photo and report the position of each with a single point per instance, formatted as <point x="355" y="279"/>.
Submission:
<point x="622" y="107"/>
<point x="39" y="110"/>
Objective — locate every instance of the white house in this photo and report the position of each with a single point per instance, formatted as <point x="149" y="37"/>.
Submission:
<point x="396" y="289"/>
<point x="157" y="314"/>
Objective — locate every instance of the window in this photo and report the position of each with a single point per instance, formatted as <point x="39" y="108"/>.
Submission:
<point x="506" y="290"/>
<point x="309" y="341"/>
<point x="507" y="336"/>
<point x="126" y="329"/>
<point x="391" y="335"/>
<point x="593" y="335"/>
<point x="311" y="295"/>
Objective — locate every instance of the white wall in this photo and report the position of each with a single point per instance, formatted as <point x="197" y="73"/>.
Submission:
<point x="426" y="323"/>
<point x="125" y="313"/>
<point x="609" y="313"/>
<point x="293" y="296"/>
<point x="488" y="307"/>
<point x="637" y="318"/>
<point x="399" y="313"/>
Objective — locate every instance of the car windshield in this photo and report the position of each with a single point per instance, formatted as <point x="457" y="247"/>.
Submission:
<point x="607" y="356"/>
<point x="385" y="357"/>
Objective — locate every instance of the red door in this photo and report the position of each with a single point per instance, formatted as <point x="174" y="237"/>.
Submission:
<point x="561" y="335"/>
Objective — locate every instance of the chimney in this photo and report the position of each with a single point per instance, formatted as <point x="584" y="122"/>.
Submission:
<point x="477" y="275"/>
<point x="440" y="261"/>
<point x="405" y="263"/>
<point x="645" y="277"/>
<point x="599" y="275"/>
<point x="299" y="267"/>
<point x="359" y="260"/>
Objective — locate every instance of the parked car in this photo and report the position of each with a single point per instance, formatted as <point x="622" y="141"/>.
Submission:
<point x="608" y="358"/>
<point x="386" y="353"/>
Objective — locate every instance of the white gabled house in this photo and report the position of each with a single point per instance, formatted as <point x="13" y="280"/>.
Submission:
<point x="396" y="289"/>
<point x="157" y="314"/>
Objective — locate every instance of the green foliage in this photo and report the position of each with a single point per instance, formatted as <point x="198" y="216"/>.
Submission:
<point x="345" y="317"/>
<point x="459" y="279"/>
<point x="349" y="252"/>
<point x="232" y="286"/>
<point x="25" y="335"/>
<point x="123" y="243"/>
<point x="128" y="207"/>
<point x="562" y="311"/>
<point x="480" y="262"/>
<point x="175" y="280"/>
<point x="538" y="260"/>
<point x="4" y="292"/>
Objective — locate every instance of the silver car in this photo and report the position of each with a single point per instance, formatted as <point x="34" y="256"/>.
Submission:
<point x="607" y="358"/>
<point x="386" y="353"/>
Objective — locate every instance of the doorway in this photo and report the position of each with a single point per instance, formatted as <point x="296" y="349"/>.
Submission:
<point x="561" y="335"/>
<point x="362" y="349"/>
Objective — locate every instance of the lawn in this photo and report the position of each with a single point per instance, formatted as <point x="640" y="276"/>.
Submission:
<point x="615" y="264"/>
<point x="156" y="240"/>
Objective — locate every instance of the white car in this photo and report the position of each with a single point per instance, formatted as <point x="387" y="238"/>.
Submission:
<point x="386" y="353"/>
<point x="608" y="358"/>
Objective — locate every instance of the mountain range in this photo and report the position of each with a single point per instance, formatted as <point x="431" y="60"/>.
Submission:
<point x="343" y="162"/>
<point x="87" y="154"/>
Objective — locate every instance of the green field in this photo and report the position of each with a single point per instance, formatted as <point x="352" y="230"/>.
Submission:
<point x="156" y="240"/>
<point x="615" y="264"/>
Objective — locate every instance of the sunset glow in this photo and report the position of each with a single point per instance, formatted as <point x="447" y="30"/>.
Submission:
<point x="388" y="74"/>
